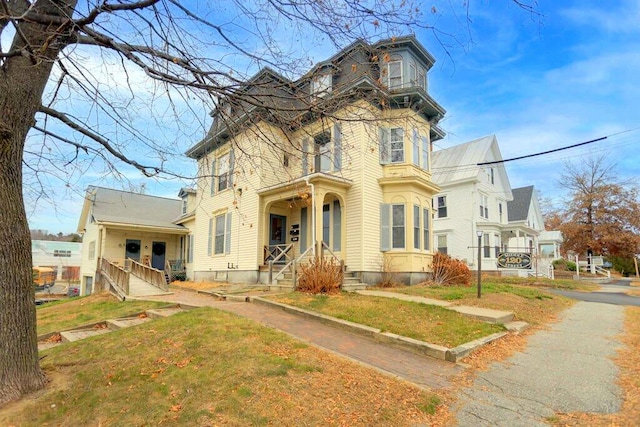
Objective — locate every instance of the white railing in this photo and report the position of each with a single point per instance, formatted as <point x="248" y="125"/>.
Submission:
<point x="292" y="262"/>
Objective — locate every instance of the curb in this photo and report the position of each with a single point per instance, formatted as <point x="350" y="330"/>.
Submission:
<point x="424" y="348"/>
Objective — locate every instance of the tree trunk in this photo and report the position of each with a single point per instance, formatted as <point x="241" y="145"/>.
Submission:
<point x="22" y="82"/>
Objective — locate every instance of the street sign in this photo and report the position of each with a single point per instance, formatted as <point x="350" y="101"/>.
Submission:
<point x="514" y="260"/>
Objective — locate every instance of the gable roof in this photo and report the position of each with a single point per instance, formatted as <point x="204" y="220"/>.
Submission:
<point x="107" y="205"/>
<point x="518" y="208"/>
<point x="460" y="162"/>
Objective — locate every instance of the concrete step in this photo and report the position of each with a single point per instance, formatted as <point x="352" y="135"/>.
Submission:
<point x="115" y="324"/>
<point x="163" y="312"/>
<point x="79" y="334"/>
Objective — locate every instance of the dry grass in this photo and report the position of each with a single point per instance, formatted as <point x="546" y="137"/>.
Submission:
<point x="628" y="360"/>
<point x="198" y="286"/>
<point x="206" y="367"/>
<point x="321" y="275"/>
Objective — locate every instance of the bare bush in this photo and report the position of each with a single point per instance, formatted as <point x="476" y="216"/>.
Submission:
<point x="320" y="276"/>
<point x="388" y="276"/>
<point x="450" y="271"/>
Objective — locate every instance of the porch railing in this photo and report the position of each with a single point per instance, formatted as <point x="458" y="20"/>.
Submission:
<point x="174" y="269"/>
<point x="292" y="262"/>
<point x="274" y="253"/>
<point x="116" y="276"/>
<point x="150" y="275"/>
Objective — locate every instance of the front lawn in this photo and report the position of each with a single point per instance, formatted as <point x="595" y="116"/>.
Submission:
<point x="206" y="367"/>
<point x="423" y="322"/>
<point x="73" y="312"/>
<point x="529" y="303"/>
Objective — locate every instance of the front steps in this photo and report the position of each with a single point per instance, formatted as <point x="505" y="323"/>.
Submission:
<point x="351" y="282"/>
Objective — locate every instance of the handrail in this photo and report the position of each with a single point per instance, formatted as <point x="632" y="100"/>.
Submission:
<point x="324" y="245"/>
<point x="270" y="250"/>
<point x="302" y="255"/>
<point x="117" y="277"/>
<point x="603" y="271"/>
<point x="150" y="275"/>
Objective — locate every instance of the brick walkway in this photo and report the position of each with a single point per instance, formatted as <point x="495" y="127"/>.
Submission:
<point x="421" y="370"/>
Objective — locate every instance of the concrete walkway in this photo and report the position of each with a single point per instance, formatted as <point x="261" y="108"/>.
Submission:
<point x="567" y="369"/>
<point x="423" y="371"/>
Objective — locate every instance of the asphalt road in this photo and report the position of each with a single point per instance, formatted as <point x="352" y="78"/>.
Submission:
<point x="612" y="293"/>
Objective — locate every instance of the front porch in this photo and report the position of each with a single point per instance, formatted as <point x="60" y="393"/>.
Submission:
<point x="300" y="220"/>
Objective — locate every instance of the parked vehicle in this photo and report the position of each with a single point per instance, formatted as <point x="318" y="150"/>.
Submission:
<point x="43" y="278"/>
<point x="73" y="291"/>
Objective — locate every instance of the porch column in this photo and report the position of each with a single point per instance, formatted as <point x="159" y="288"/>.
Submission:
<point x="318" y="199"/>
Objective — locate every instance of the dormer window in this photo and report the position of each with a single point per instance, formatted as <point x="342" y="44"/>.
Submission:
<point x="321" y="85"/>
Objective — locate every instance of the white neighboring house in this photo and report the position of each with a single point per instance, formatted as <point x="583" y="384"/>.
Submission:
<point x="476" y="199"/>
<point x="473" y="199"/>
<point x="63" y="257"/>
<point x="528" y="234"/>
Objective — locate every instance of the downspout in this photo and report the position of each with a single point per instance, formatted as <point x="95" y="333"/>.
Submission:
<point x="313" y="212"/>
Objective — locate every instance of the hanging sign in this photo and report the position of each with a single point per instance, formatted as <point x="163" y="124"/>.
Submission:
<point x="514" y="260"/>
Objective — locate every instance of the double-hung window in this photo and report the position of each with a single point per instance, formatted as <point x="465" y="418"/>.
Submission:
<point x="416" y="226"/>
<point x="442" y="206"/>
<point x="425" y="153"/>
<point x="394" y="74"/>
<point x="220" y="234"/>
<point x="321" y="85"/>
<point x="486" y="247"/>
<point x="441" y="243"/>
<point x="222" y="172"/>
<point x="392" y="226"/>
<point x="484" y="206"/>
<point x="426" y="217"/>
<point x="415" y="142"/>
<point x="391" y="145"/>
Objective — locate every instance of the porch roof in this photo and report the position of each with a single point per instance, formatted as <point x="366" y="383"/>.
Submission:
<point x="314" y="178"/>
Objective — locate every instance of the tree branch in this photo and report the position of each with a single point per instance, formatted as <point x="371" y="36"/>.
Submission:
<point x="146" y="170"/>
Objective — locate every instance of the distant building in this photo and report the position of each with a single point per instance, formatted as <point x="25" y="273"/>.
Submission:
<point x="63" y="257"/>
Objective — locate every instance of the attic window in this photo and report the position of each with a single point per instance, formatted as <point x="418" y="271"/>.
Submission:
<point x="321" y="85"/>
<point x="184" y="205"/>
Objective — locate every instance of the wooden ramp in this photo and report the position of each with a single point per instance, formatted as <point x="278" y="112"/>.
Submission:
<point x="138" y="288"/>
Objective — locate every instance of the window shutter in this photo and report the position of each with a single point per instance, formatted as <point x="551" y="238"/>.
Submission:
<point x="213" y="177"/>
<point x="227" y="235"/>
<point x="232" y="161"/>
<point x="385" y="149"/>
<point x="303" y="229"/>
<point x="305" y="160"/>
<point x="337" y="147"/>
<point x="191" y="246"/>
<point x="210" y="236"/>
<point x="385" y="227"/>
<point x="337" y="225"/>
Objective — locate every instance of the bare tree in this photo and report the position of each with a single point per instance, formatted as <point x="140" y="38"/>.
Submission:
<point x="602" y="214"/>
<point x="128" y="58"/>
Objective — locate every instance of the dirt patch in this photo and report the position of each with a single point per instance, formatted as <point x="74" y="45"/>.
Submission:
<point x="199" y="286"/>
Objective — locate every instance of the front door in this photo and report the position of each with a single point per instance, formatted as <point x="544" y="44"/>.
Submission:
<point x="132" y="249"/>
<point x="277" y="230"/>
<point x="158" y="250"/>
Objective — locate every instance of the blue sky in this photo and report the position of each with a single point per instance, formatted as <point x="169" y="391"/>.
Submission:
<point x="536" y="82"/>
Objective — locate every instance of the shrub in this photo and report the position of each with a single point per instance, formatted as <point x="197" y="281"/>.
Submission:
<point x="320" y="276"/>
<point x="387" y="275"/>
<point x="564" y="265"/>
<point x="450" y="271"/>
<point x="622" y="265"/>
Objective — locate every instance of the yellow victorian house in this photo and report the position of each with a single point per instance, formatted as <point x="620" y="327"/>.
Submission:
<point x="336" y="162"/>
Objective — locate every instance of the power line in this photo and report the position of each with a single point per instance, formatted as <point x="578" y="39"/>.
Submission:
<point x="543" y="152"/>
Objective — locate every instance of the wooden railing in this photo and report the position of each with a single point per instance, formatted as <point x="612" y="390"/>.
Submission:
<point x="292" y="261"/>
<point x="116" y="276"/>
<point x="150" y="275"/>
<point x="275" y="253"/>
<point x="175" y="268"/>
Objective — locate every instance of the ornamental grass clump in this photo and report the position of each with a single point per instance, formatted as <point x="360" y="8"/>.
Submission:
<point x="320" y="276"/>
<point x="450" y="271"/>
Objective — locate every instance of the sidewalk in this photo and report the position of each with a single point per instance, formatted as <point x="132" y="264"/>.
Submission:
<point x="567" y="368"/>
<point x="420" y="370"/>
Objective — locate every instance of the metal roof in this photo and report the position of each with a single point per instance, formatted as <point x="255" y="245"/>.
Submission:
<point x="460" y="162"/>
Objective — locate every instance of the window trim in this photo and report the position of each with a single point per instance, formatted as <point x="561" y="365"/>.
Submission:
<point x="402" y="227"/>
<point x="322" y="85"/>
<point x="446" y="241"/>
<point x="416" y="227"/>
